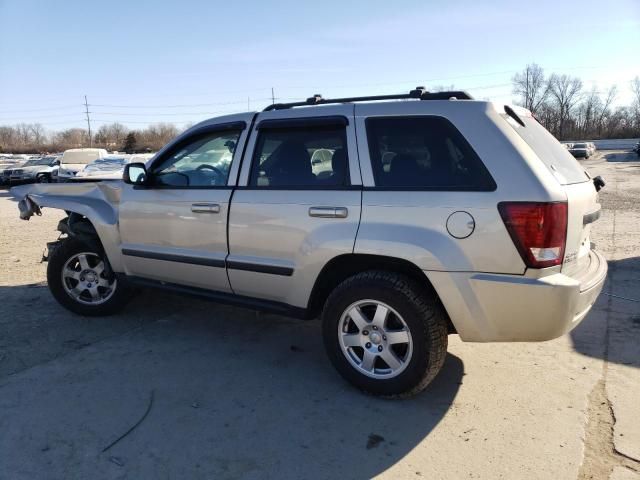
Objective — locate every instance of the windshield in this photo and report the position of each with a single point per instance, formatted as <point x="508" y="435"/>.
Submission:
<point x="79" y="157"/>
<point x="550" y="151"/>
<point x="39" y="161"/>
<point x="579" y="145"/>
<point x="104" y="163"/>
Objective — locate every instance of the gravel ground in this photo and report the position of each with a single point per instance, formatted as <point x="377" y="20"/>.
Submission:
<point x="228" y="393"/>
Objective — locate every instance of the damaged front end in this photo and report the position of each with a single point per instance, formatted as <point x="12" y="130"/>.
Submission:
<point x="28" y="208"/>
<point x="91" y="208"/>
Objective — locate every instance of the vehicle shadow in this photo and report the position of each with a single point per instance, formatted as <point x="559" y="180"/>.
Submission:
<point x="621" y="157"/>
<point x="615" y="317"/>
<point x="5" y="192"/>
<point x="236" y="394"/>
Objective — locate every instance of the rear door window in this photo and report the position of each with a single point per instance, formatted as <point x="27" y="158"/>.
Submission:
<point x="423" y="153"/>
<point x="564" y="167"/>
<point x="310" y="157"/>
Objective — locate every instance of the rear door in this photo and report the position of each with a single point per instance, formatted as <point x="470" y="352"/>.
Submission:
<point x="297" y="205"/>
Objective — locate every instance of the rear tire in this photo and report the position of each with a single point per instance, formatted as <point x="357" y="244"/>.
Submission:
<point x="43" y="179"/>
<point x="397" y="321"/>
<point x="80" y="280"/>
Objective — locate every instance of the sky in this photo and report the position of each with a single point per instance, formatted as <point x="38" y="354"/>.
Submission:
<point x="143" y="62"/>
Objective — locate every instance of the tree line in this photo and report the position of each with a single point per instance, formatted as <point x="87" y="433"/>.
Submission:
<point x="33" y="138"/>
<point x="570" y="112"/>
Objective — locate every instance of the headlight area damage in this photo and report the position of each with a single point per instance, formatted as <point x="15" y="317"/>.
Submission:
<point x="28" y="208"/>
<point x="92" y="210"/>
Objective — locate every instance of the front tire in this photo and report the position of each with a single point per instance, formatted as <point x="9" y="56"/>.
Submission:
<point x="81" y="281"/>
<point x="385" y="333"/>
<point x="43" y="179"/>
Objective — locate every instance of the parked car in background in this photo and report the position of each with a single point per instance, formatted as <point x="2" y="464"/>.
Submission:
<point x="7" y="163"/>
<point x="36" y="169"/>
<point x="108" y="168"/>
<point x="580" y="150"/>
<point x="141" y="157"/>
<point x="76" y="159"/>
<point x="410" y="228"/>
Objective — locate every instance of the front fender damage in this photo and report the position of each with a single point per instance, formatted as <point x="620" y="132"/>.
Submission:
<point x="28" y="208"/>
<point x="98" y="202"/>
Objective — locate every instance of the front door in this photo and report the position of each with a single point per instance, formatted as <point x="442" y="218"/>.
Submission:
<point x="297" y="205"/>
<point x="175" y="228"/>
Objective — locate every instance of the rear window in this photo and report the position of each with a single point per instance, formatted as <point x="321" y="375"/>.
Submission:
<point x="424" y="153"/>
<point x="556" y="157"/>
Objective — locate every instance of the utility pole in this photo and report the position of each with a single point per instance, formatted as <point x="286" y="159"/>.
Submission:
<point x="273" y="97"/>
<point x="86" y="111"/>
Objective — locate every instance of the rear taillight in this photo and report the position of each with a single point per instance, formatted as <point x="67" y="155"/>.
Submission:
<point x="538" y="230"/>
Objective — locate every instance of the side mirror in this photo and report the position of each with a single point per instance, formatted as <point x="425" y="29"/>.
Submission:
<point x="135" y="174"/>
<point x="56" y="162"/>
<point x="598" y="182"/>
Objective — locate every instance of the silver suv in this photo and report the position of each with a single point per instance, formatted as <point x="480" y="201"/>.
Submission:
<point x="398" y="219"/>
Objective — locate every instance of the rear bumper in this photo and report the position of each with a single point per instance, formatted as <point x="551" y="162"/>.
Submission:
<point x="512" y="308"/>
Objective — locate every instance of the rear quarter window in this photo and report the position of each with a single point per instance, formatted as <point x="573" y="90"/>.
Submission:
<point x="564" y="167"/>
<point x="423" y="153"/>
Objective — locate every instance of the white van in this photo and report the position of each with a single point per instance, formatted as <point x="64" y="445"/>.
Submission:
<point x="75" y="159"/>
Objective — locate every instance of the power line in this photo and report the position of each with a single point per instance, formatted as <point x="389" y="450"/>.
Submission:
<point x="139" y="122"/>
<point x="186" y="105"/>
<point x="21" y="118"/>
<point x="61" y="107"/>
<point x="129" y="114"/>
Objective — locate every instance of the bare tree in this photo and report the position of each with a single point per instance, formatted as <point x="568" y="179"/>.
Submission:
<point x="531" y="87"/>
<point x="606" y="108"/>
<point x="7" y="138"/>
<point x="635" y="88"/>
<point x="38" y="134"/>
<point x="71" y="138"/>
<point x="156" y="136"/>
<point x="23" y="135"/>
<point x="111" y="136"/>
<point x="565" y="91"/>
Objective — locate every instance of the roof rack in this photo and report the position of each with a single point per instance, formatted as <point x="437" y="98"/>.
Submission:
<point x="419" y="93"/>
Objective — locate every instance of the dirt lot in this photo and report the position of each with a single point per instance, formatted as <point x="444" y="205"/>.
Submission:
<point x="229" y="393"/>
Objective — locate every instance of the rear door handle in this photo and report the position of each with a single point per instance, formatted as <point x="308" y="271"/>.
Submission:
<point x="205" y="208"/>
<point x="328" y="212"/>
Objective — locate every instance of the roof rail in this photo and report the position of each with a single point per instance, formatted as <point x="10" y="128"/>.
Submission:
<point x="418" y="93"/>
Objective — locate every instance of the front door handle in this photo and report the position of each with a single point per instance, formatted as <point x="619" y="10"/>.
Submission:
<point x="328" y="212"/>
<point x="205" y="208"/>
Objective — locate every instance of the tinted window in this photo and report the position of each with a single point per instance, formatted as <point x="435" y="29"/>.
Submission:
<point x="423" y="153"/>
<point x="300" y="157"/>
<point x="556" y="158"/>
<point x="201" y="161"/>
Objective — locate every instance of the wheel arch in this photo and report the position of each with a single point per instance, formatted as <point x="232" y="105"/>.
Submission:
<point x="344" y="266"/>
<point x="94" y="203"/>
